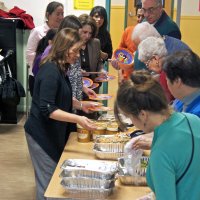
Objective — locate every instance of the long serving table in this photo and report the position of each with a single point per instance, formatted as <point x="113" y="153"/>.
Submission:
<point x="76" y="150"/>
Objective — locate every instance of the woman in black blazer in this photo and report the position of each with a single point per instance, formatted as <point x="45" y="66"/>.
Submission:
<point x="48" y="125"/>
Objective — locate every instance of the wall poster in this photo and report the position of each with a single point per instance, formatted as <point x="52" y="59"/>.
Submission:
<point x="83" y="4"/>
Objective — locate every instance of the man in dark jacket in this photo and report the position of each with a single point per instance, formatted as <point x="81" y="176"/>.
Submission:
<point x="155" y="14"/>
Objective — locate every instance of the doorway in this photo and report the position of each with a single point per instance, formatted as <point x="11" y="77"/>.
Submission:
<point x="130" y="10"/>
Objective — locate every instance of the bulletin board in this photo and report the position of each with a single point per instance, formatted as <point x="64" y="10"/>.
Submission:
<point x="83" y="4"/>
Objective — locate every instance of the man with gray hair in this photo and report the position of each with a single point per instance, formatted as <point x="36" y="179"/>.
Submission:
<point x="155" y="15"/>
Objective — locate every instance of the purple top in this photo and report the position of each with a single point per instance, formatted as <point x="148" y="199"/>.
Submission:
<point x="36" y="64"/>
<point x="46" y="51"/>
<point x="38" y="58"/>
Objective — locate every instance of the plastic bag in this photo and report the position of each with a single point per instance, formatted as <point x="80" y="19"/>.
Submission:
<point x="132" y="158"/>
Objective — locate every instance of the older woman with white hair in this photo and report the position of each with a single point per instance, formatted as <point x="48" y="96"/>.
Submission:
<point x="151" y="52"/>
<point x="145" y="30"/>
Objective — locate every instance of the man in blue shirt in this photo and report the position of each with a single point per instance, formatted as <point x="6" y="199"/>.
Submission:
<point x="183" y="78"/>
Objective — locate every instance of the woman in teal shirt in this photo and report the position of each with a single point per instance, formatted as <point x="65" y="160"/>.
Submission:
<point x="174" y="168"/>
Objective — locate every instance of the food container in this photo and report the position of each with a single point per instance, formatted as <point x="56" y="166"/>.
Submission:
<point x="112" y="128"/>
<point x="107" y="117"/>
<point x="85" y="182"/>
<point x="89" y="168"/>
<point x="101" y="129"/>
<point x="139" y="179"/>
<point x="105" y="155"/>
<point x="117" y="138"/>
<point x="132" y="180"/>
<point x="110" y="147"/>
<point x="87" y="193"/>
<point x="83" y="135"/>
<point x="111" y="143"/>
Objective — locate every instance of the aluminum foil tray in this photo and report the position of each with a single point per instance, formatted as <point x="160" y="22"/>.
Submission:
<point x="87" y="193"/>
<point x="127" y="179"/>
<point x="121" y="138"/>
<point x="109" y="147"/>
<point x="89" y="168"/>
<point x="88" y="183"/>
<point x="132" y="180"/>
<point x="108" y="155"/>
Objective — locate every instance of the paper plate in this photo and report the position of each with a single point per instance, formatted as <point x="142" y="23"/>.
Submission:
<point x="94" y="85"/>
<point x="101" y="97"/>
<point x="100" y="108"/>
<point x="87" y="82"/>
<point x="125" y="58"/>
<point x="96" y="104"/>
<point x="104" y="79"/>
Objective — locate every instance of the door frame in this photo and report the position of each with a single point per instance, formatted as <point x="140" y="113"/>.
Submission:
<point x="126" y="11"/>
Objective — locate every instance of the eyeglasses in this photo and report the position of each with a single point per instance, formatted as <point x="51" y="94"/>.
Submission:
<point x="150" y="10"/>
<point x="148" y="62"/>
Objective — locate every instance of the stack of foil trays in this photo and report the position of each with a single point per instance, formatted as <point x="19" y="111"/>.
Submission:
<point x="140" y="176"/>
<point x="110" y="147"/>
<point x="88" y="179"/>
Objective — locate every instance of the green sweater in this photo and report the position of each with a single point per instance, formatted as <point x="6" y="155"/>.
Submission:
<point x="170" y="155"/>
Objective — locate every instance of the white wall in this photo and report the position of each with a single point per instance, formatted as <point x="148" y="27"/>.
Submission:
<point x="118" y="2"/>
<point x="37" y="8"/>
<point x="69" y="6"/>
<point x="32" y="7"/>
<point x="189" y="7"/>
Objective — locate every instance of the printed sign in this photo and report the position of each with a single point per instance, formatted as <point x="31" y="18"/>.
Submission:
<point x="83" y="4"/>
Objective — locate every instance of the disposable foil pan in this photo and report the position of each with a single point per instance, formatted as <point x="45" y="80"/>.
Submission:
<point x="127" y="179"/>
<point x="113" y="139"/>
<point x="87" y="193"/>
<point x="91" y="183"/>
<point x="109" y="147"/>
<point x="132" y="180"/>
<point x="89" y="168"/>
<point x="111" y="143"/>
<point x="108" y="155"/>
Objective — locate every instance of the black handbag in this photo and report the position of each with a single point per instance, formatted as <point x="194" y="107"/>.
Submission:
<point x="11" y="89"/>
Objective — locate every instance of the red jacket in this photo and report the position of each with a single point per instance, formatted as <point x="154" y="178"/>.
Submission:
<point x="19" y="13"/>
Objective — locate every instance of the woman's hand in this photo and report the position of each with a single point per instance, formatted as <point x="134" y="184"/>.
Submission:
<point x="103" y="55"/>
<point x="84" y="73"/>
<point x="89" y="92"/>
<point x="86" y="123"/>
<point x="114" y="63"/>
<point x="88" y="106"/>
<point x="140" y="142"/>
